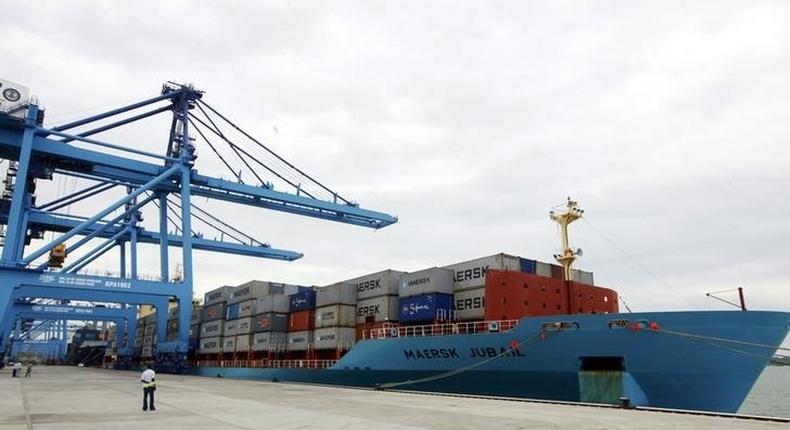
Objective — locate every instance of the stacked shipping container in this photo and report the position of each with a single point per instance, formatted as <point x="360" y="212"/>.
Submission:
<point x="335" y="317"/>
<point x="426" y="296"/>
<point x="263" y="316"/>
<point x="377" y="301"/>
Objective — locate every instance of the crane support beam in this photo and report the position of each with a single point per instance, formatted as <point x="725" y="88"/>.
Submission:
<point x="62" y="223"/>
<point x="81" y="313"/>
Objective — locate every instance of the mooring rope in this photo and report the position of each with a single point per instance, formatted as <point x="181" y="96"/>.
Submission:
<point x="720" y="339"/>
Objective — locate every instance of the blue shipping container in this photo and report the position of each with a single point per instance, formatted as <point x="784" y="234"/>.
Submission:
<point x="303" y="300"/>
<point x="527" y="266"/>
<point x="425" y="308"/>
<point x="233" y="311"/>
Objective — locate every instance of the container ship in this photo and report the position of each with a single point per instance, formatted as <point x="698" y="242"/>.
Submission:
<point x="500" y="325"/>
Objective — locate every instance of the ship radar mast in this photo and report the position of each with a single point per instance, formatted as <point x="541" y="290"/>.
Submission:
<point x="568" y="256"/>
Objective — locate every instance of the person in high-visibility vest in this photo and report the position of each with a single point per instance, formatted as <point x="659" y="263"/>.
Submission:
<point x="148" y="378"/>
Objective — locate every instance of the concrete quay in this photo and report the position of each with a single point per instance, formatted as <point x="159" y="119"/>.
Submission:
<point x="85" y="399"/>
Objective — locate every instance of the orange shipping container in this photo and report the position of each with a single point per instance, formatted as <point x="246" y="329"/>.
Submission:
<point x="514" y="295"/>
<point x="301" y="321"/>
<point x="588" y="299"/>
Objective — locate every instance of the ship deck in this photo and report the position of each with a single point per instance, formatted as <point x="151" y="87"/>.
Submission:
<point x="70" y="397"/>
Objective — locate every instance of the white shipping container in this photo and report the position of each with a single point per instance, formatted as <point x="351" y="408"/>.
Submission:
<point x="470" y="304"/>
<point x="377" y="309"/>
<point x="243" y="342"/>
<point x="218" y="295"/>
<point x="248" y="308"/>
<point x="472" y="274"/>
<point x="378" y="284"/>
<point x="270" y="341"/>
<point x="277" y="303"/>
<point x="342" y="338"/>
<point x="299" y="340"/>
<point x="211" y="345"/>
<point x="255" y="289"/>
<point x="543" y="269"/>
<point x="229" y="344"/>
<point x="339" y="293"/>
<point x="212" y="328"/>
<point x="336" y="316"/>
<point x="428" y="281"/>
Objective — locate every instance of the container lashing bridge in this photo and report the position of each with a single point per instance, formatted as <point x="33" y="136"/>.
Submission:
<point x="44" y="281"/>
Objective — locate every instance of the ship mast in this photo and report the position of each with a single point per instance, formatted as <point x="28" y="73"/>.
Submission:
<point x="571" y="214"/>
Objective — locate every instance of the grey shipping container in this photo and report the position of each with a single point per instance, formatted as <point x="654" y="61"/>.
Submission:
<point x="147" y="351"/>
<point x="377" y="284"/>
<point x="139" y="331"/>
<point x="339" y="293"/>
<point x="270" y="322"/>
<point x="582" y="277"/>
<point x="211" y="345"/>
<point x="197" y="313"/>
<point x="218" y="295"/>
<point x="543" y="269"/>
<point x="244" y="326"/>
<point x="214" y="312"/>
<point x="289" y="289"/>
<point x="148" y="339"/>
<point x="275" y="303"/>
<point x="470" y="304"/>
<point x="377" y="309"/>
<point x="248" y="308"/>
<point x="229" y="344"/>
<point x="472" y="274"/>
<point x="212" y="329"/>
<point x="270" y="341"/>
<point x="428" y="281"/>
<point x="336" y="316"/>
<point x="237" y="326"/>
<point x="300" y="340"/>
<point x="255" y="289"/>
<point x="194" y="331"/>
<point x="342" y="338"/>
<point x="243" y="343"/>
<point x="149" y="330"/>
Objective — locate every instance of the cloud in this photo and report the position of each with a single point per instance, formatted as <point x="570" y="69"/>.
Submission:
<point x="666" y="120"/>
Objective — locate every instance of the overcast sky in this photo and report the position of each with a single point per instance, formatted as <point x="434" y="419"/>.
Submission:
<point x="666" y="120"/>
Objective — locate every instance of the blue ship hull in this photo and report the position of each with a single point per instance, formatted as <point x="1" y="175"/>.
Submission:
<point x="665" y="368"/>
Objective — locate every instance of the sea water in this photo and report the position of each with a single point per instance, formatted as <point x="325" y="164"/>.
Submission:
<point x="770" y="394"/>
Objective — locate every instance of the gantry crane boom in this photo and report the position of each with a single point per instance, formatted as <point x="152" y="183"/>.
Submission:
<point x="169" y="181"/>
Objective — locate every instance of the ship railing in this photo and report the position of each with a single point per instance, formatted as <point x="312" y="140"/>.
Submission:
<point x="442" y="329"/>
<point x="275" y="364"/>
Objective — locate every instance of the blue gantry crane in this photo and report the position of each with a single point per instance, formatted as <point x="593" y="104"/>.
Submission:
<point x="41" y="279"/>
